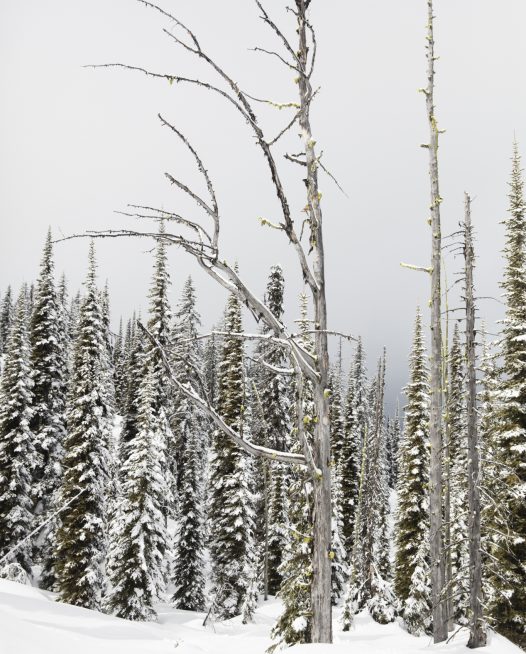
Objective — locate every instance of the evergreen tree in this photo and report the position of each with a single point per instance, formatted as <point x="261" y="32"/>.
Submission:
<point x="509" y="597"/>
<point x="417" y="606"/>
<point x="188" y="576"/>
<point x="18" y="457"/>
<point x="294" y="624"/>
<point x="230" y="502"/>
<point x="457" y="450"/>
<point x="159" y="326"/>
<point x="272" y="429"/>
<point x="48" y="361"/>
<point x="371" y="564"/>
<point x="6" y="316"/>
<point x="47" y="535"/>
<point x="351" y="450"/>
<point x="412" y="520"/>
<point x="139" y="538"/>
<point x="80" y="546"/>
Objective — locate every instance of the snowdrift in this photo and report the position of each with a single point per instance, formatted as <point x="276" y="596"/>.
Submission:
<point x="32" y="622"/>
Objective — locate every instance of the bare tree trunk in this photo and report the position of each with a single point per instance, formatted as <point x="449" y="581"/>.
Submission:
<point x="265" y="559"/>
<point x="435" y="428"/>
<point x="477" y="631"/>
<point x="321" y="573"/>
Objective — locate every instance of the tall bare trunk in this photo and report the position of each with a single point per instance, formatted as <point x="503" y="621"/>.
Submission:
<point x="321" y="573"/>
<point x="477" y="632"/>
<point x="435" y="428"/>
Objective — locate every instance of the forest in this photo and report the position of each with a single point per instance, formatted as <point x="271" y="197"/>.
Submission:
<point x="150" y="467"/>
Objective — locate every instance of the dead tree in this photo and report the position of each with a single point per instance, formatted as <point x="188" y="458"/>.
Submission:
<point x="435" y="426"/>
<point x="477" y="632"/>
<point x="202" y="243"/>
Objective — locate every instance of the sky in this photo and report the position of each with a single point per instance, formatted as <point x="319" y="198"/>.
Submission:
<point x="79" y="144"/>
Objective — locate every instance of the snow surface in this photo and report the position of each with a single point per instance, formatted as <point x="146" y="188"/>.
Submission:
<point x="31" y="622"/>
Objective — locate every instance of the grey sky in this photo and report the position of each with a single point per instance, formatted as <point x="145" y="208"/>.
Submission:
<point x="77" y="144"/>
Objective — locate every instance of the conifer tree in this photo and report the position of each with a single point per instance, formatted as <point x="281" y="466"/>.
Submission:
<point x="160" y="328"/>
<point x="81" y="545"/>
<point x="139" y="538"/>
<point x="457" y="555"/>
<point x="18" y="457"/>
<point x="188" y="576"/>
<point x="47" y="535"/>
<point x="6" y="315"/>
<point x="272" y="429"/>
<point x="417" y="606"/>
<point x="351" y="451"/>
<point x="230" y="511"/>
<point x="412" y="520"/>
<point x="371" y="570"/>
<point x="48" y="361"/>
<point x="509" y="436"/>
<point x="294" y="624"/>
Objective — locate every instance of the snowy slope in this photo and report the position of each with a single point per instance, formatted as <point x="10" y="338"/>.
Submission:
<point x="31" y="622"/>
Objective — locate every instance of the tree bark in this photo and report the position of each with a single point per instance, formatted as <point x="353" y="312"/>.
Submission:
<point x="321" y="564"/>
<point x="477" y="631"/>
<point x="435" y="427"/>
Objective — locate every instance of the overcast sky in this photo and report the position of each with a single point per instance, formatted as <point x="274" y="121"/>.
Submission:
<point x="76" y="144"/>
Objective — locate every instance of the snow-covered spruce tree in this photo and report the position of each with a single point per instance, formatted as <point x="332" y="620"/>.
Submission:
<point x="139" y="534"/>
<point x="371" y="552"/>
<point x="47" y="536"/>
<point x="230" y="514"/>
<point x="491" y="481"/>
<point x="18" y="457"/>
<point x="417" y="606"/>
<point x="49" y="369"/>
<point x="294" y="624"/>
<point x="6" y="314"/>
<point x="139" y="538"/>
<point x="351" y="450"/>
<point x="192" y="425"/>
<point x="160" y="328"/>
<point x="272" y="426"/>
<point x="457" y="555"/>
<point x="135" y="369"/>
<point x="119" y="371"/>
<point x="509" y="437"/>
<point x="81" y="542"/>
<point x="392" y="443"/>
<point x="412" y="519"/>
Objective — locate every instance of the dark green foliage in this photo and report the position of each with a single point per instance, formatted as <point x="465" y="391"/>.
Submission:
<point x="80" y="546"/>
<point x="18" y="458"/>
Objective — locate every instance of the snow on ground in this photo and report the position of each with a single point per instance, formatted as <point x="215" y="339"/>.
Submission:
<point x="31" y="622"/>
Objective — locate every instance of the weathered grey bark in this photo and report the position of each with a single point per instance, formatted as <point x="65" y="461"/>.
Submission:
<point x="477" y="631"/>
<point x="321" y="573"/>
<point x="435" y="427"/>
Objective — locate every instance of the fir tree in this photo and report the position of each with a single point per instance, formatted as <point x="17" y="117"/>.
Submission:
<point x="294" y="624"/>
<point x="18" y="457"/>
<point x="509" y="437"/>
<point x="457" y="482"/>
<point x="417" y="606"/>
<point x="6" y="316"/>
<point x="159" y="326"/>
<point x="351" y="449"/>
<point x="80" y="547"/>
<point x="188" y="576"/>
<point x="48" y="361"/>
<point x="272" y="399"/>
<point x="47" y="536"/>
<point x="412" y="521"/>
<point x="139" y="538"/>
<point x="230" y="511"/>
